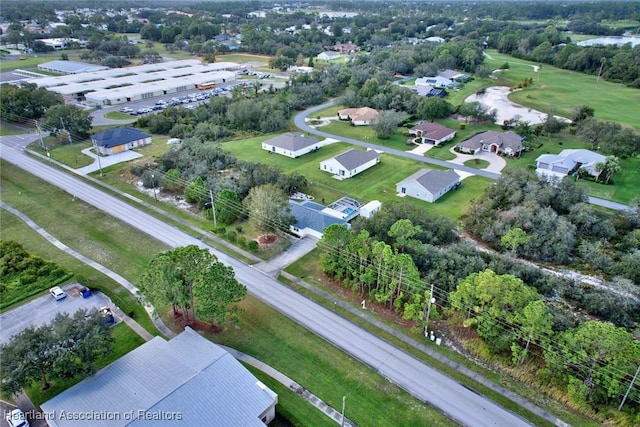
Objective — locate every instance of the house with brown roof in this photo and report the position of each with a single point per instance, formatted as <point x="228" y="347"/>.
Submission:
<point x="291" y="144"/>
<point x="346" y="47"/>
<point x="350" y="163"/>
<point x="359" y="116"/>
<point x="505" y="143"/>
<point x="432" y="133"/>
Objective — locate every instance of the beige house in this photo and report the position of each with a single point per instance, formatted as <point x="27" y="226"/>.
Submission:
<point x="505" y="143"/>
<point x="359" y="116"/>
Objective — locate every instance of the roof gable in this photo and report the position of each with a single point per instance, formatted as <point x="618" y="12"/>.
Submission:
<point x="431" y="180"/>
<point x="118" y="136"/>
<point x="432" y="130"/>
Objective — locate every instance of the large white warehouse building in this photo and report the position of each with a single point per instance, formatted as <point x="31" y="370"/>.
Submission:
<point x="121" y="85"/>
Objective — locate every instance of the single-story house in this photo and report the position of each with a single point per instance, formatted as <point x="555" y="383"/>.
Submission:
<point x="429" y="91"/>
<point x="432" y="133"/>
<point x="328" y="56"/>
<point x="291" y="144"/>
<point x="508" y="143"/>
<point x="117" y="140"/>
<point x="454" y="75"/>
<point x="567" y="162"/>
<point x="428" y="184"/>
<point x="435" y="39"/>
<point x="346" y="47"/>
<point x="187" y="380"/>
<point x="435" y="81"/>
<point x="359" y="116"/>
<point x="311" y="220"/>
<point x="350" y="163"/>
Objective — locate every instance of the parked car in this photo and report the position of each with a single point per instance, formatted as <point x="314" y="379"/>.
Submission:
<point x="57" y="293"/>
<point x="84" y="291"/>
<point x="16" y="418"/>
<point x="107" y="315"/>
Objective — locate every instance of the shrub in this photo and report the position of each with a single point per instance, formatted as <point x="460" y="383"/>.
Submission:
<point x="242" y="241"/>
<point x="252" y="246"/>
<point x="239" y="228"/>
<point x="220" y="230"/>
<point x="231" y="236"/>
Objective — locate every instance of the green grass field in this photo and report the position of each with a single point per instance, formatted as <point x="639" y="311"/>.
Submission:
<point x="563" y="90"/>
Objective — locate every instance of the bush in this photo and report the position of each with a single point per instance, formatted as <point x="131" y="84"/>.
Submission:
<point x="252" y="246"/>
<point x="231" y="236"/>
<point x="220" y="230"/>
<point x="239" y="228"/>
<point x="242" y="241"/>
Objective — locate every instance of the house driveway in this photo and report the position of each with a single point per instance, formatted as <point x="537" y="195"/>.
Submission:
<point x="293" y="253"/>
<point x="105" y="161"/>
<point x="496" y="163"/>
<point x="43" y="309"/>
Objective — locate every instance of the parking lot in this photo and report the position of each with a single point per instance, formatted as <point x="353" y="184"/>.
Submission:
<point x="43" y="309"/>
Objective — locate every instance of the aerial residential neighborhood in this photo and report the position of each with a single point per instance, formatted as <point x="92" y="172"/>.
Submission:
<point x="309" y="214"/>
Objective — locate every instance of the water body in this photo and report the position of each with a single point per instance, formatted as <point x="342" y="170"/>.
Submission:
<point x="609" y="40"/>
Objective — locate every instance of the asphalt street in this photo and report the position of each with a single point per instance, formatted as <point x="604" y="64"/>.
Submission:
<point x="417" y="378"/>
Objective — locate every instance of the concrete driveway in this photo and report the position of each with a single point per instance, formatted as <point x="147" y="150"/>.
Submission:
<point x="43" y="309"/>
<point x="106" y="161"/>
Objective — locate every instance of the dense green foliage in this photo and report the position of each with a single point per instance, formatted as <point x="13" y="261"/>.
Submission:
<point x="23" y="274"/>
<point x="19" y="104"/>
<point x="66" y="348"/>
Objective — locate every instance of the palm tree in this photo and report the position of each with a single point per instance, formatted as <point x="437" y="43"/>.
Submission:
<point x="608" y="168"/>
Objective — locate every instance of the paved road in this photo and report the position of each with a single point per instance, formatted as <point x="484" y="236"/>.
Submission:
<point x="299" y="121"/>
<point x="422" y="381"/>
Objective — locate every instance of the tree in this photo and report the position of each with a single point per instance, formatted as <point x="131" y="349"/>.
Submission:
<point x="386" y="123"/>
<point x="607" y="169"/>
<point x="227" y="206"/>
<point x="595" y="361"/>
<point x="192" y="280"/>
<point x="489" y="301"/>
<point x="216" y="295"/>
<point x="581" y="113"/>
<point x="434" y="108"/>
<point x="515" y="238"/>
<point x="18" y="104"/>
<point x="68" y="117"/>
<point x="535" y="324"/>
<point x="196" y="192"/>
<point x="67" y="347"/>
<point x="268" y="209"/>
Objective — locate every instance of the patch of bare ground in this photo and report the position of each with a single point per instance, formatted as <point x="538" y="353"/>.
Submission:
<point x="177" y="323"/>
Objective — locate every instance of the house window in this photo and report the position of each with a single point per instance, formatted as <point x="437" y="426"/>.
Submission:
<point x="403" y="190"/>
<point x="341" y="172"/>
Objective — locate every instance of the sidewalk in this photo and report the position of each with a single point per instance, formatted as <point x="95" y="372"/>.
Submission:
<point x="293" y="253"/>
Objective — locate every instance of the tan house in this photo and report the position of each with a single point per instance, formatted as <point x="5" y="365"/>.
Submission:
<point x="346" y="47"/>
<point x="117" y="140"/>
<point x="359" y="116"/>
<point x="432" y="133"/>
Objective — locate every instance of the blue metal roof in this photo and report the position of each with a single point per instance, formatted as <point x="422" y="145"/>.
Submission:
<point x="308" y="215"/>
<point x="118" y="136"/>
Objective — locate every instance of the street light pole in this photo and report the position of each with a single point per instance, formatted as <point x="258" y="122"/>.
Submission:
<point x="432" y="300"/>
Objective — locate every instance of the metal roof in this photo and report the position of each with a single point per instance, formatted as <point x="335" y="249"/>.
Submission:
<point x="118" y="136"/>
<point x="187" y="380"/>
<point x="310" y="215"/>
<point x="71" y="67"/>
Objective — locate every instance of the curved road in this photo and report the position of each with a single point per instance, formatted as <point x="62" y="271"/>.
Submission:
<point x="425" y="383"/>
<point x="299" y="121"/>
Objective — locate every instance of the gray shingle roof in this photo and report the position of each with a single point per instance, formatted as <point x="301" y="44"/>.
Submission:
<point x="432" y="130"/>
<point x="187" y="375"/>
<point x="309" y="215"/>
<point x="118" y="136"/>
<point x="353" y="158"/>
<point x="292" y="141"/>
<point x="501" y="139"/>
<point x="433" y="181"/>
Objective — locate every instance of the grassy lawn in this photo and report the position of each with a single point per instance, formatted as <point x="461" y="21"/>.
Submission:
<point x="564" y="90"/>
<point x="477" y="163"/>
<point x="68" y="154"/>
<point x="324" y="370"/>
<point x="125" y="341"/>
<point x="366" y="134"/>
<point x="328" y="112"/>
<point x="441" y="152"/>
<point x="31" y="62"/>
<point x="117" y="115"/>
<point x="81" y="227"/>
<point x="377" y="183"/>
<point x="7" y="129"/>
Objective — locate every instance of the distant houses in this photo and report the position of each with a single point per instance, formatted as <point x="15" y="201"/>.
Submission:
<point x="506" y="143"/>
<point x="428" y="184"/>
<point x="346" y="47"/>
<point x="359" y="116"/>
<point x="432" y="133"/>
<point x="350" y="163"/>
<point x="291" y="144"/>
<point x="118" y="140"/>
<point x="568" y="162"/>
<point x="435" y="81"/>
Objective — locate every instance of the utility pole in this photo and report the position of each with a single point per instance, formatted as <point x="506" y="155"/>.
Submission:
<point x="65" y="129"/>
<point x="344" y="402"/>
<point x="153" y="181"/>
<point x="633" y="381"/>
<point x="40" y="135"/>
<point x="432" y="300"/>
<point x="95" y="145"/>
<point x="213" y="209"/>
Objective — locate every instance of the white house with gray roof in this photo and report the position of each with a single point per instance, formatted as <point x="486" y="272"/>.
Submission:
<point x="350" y="163"/>
<point x="187" y="380"/>
<point x="291" y="144"/>
<point x="428" y="184"/>
<point x="568" y="161"/>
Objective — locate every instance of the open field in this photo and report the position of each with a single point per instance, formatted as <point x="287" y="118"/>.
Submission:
<point x="31" y="61"/>
<point x="564" y="90"/>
